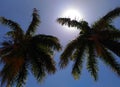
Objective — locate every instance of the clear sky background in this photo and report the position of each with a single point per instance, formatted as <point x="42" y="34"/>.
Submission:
<point x="49" y="10"/>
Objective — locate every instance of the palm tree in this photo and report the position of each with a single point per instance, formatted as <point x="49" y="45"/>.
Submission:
<point x="100" y="40"/>
<point x="25" y="51"/>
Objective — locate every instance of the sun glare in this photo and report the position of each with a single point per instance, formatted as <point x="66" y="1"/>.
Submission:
<point x="74" y="14"/>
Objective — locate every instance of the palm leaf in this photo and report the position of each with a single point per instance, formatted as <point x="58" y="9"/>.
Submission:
<point x="111" y="15"/>
<point x="107" y="19"/>
<point x="42" y="63"/>
<point x="83" y="25"/>
<point x="47" y="40"/>
<point x="16" y="32"/>
<point x="78" y="59"/>
<point x="7" y="78"/>
<point x="47" y="60"/>
<point x="22" y="76"/>
<point x="114" y="34"/>
<point x="37" y="67"/>
<point x="64" y="59"/>
<point x="69" y="22"/>
<point x="92" y="61"/>
<point x="109" y="60"/>
<point x="112" y="45"/>
<point x="108" y="34"/>
<point x="34" y="23"/>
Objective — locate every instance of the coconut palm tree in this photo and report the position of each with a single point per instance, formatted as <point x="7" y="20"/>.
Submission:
<point x="100" y="40"/>
<point x="26" y="51"/>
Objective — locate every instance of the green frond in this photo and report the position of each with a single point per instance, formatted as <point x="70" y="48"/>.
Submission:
<point x="112" y="45"/>
<point x="112" y="27"/>
<point x="64" y="21"/>
<point x="98" y="25"/>
<point x="109" y="35"/>
<point x="37" y="66"/>
<point x="13" y="25"/>
<point x="114" y="34"/>
<point x="17" y="32"/>
<point x="107" y="19"/>
<point x="92" y="61"/>
<point x="48" y="41"/>
<point x="78" y="60"/>
<point x="38" y="71"/>
<point x="34" y="23"/>
<point x="47" y="59"/>
<point x="67" y="53"/>
<point x="111" y="15"/>
<point x="5" y="51"/>
<point x="42" y="63"/>
<point x="82" y="25"/>
<point x="6" y="43"/>
<point x="109" y="60"/>
<point x="6" y="78"/>
<point x="22" y="76"/>
<point x="69" y="22"/>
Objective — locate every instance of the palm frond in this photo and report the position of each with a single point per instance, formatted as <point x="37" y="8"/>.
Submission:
<point x="69" y="22"/>
<point x="6" y="78"/>
<point x="47" y="59"/>
<point x="64" y="59"/>
<point x="16" y="32"/>
<point x="22" y="76"/>
<point x="77" y="67"/>
<point x="37" y="67"/>
<point x="82" y="25"/>
<point x="112" y="45"/>
<point x="111" y="15"/>
<point x="109" y="34"/>
<point x="6" y="43"/>
<point x="114" y="34"/>
<point x="78" y="59"/>
<point x="64" y="21"/>
<point x="13" y="66"/>
<point x="34" y="23"/>
<point x="4" y="51"/>
<point x="38" y="71"/>
<point x="92" y="61"/>
<point x="48" y="41"/>
<point x="109" y="60"/>
<point x="107" y="19"/>
<point x="42" y="63"/>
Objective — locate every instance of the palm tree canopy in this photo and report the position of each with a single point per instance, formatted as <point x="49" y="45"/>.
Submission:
<point x="101" y="40"/>
<point x="26" y="51"/>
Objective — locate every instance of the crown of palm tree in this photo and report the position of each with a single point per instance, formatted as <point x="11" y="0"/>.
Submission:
<point x="26" y="51"/>
<point x="101" y="40"/>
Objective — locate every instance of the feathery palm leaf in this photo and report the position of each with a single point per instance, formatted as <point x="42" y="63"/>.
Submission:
<point x="47" y="40"/>
<point x="78" y="58"/>
<point x="107" y="19"/>
<point x="34" y="23"/>
<point x="67" y="53"/>
<point x="83" y="25"/>
<point x="108" y="58"/>
<point x="92" y="61"/>
<point x="112" y="45"/>
<point x="16" y="33"/>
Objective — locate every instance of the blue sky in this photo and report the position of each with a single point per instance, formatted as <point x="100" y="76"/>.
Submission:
<point x="49" y="10"/>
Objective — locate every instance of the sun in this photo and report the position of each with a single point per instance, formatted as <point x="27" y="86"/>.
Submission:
<point x="73" y="14"/>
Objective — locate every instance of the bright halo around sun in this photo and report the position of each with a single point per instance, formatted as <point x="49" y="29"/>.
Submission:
<point x="73" y="14"/>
